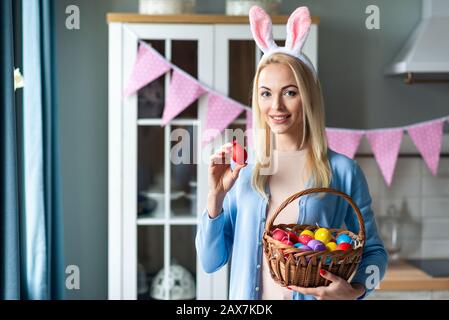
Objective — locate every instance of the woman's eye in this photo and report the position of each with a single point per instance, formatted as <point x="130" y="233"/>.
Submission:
<point x="263" y="94"/>
<point x="293" y="93"/>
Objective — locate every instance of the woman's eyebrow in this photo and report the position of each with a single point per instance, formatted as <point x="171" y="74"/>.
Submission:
<point x="290" y="85"/>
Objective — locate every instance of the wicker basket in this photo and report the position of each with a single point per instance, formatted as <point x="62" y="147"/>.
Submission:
<point x="291" y="266"/>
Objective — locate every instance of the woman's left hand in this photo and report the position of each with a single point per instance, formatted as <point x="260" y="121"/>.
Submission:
<point x="338" y="289"/>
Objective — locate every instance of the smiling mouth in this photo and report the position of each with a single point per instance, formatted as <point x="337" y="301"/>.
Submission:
<point x="280" y="118"/>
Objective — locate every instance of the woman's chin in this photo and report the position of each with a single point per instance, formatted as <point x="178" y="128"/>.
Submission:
<point x="279" y="129"/>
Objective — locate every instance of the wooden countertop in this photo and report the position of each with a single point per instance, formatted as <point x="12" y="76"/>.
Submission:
<point x="402" y="276"/>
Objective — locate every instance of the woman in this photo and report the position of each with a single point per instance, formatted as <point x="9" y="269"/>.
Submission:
<point x="291" y="154"/>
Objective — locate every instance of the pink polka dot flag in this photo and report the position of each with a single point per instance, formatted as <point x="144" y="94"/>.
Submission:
<point x="385" y="145"/>
<point x="428" y="139"/>
<point x="149" y="66"/>
<point x="344" y="141"/>
<point x="182" y="92"/>
<point x="221" y="111"/>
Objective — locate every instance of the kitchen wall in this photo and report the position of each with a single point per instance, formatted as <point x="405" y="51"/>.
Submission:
<point x="422" y="203"/>
<point x="83" y="104"/>
<point x="357" y="95"/>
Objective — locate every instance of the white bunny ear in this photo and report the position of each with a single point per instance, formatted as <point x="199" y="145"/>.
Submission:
<point x="298" y="26"/>
<point x="261" y="28"/>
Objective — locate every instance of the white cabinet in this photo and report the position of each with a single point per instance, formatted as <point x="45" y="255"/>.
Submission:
<point x="154" y="204"/>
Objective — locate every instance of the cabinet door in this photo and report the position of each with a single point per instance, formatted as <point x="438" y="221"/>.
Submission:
<point x="236" y="59"/>
<point x="153" y="223"/>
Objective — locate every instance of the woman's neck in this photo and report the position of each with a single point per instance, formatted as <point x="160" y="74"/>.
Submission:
<point x="285" y="142"/>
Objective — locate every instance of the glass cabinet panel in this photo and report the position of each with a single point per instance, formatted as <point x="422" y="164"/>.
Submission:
<point x="151" y="98"/>
<point x="184" y="54"/>
<point x="242" y="57"/>
<point x="150" y="262"/>
<point x="183" y="258"/>
<point x="150" y="172"/>
<point x="183" y="172"/>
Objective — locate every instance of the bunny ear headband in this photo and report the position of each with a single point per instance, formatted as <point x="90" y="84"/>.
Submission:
<point x="298" y="27"/>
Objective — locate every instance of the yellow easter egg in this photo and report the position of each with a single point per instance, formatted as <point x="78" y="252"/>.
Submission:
<point x="308" y="232"/>
<point x="323" y="235"/>
<point x="331" y="246"/>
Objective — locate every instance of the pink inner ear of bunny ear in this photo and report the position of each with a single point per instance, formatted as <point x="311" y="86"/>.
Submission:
<point x="298" y="27"/>
<point x="260" y="26"/>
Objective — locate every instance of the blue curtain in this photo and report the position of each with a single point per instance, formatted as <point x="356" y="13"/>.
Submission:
<point x="31" y="217"/>
<point x="9" y="177"/>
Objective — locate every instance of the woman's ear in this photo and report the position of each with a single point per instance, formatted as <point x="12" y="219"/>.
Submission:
<point x="261" y="28"/>
<point x="298" y="26"/>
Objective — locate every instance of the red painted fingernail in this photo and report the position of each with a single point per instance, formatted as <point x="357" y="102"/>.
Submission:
<point x="322" y="272"/>
<point x="289" y="288"/>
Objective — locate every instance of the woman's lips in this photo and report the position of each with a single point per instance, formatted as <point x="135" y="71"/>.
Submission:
<point x="280" y="119"/>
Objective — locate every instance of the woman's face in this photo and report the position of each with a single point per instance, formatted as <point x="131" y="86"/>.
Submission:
<point x="279" y="99"/>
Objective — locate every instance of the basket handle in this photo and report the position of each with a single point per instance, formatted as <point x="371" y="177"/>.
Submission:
<point x="318" y="190"/>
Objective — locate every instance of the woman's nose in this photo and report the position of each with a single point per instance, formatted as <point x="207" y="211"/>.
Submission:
<point x="277" y="103"/>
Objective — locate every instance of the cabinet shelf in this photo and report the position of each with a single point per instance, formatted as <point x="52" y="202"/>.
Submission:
<point x="158" y="121"/>
<point x="186" y="220"/>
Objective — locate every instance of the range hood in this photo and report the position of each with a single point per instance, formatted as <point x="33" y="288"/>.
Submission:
<point x="425" y="55"/>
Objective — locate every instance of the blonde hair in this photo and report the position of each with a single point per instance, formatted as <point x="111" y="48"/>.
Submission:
<point x="314" y="136"/>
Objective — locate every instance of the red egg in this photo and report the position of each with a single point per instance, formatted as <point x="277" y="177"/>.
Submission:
<point x="278" y="234"/>
<point x="286" y="241"/>
<point x="344" y="246"/>
<point x="305" y="238"/>
<point x="239" y="154"/>
<point x="292" y="237"/>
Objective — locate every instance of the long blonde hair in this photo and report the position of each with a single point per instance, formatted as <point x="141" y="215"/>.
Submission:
<point x="314" y="136"/>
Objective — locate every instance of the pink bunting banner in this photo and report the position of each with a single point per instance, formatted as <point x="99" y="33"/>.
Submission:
<point x="221" y="111"/>
<point x="428" y="139"/>
<point x="249" y="126"/>
<point x="385" y="145"/>
<point x="182" y="92"/>
<point x="148" y="67"/>
<point x="344" y="141"/>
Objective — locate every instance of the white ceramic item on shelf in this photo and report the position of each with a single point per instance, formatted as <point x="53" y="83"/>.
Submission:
<point x="180" y="282"/>
<point x="166" y="6"/>
<point x="241" y="7"/>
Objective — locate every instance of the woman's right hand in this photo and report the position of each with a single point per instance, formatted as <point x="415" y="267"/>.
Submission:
<point x="221" y="176"/>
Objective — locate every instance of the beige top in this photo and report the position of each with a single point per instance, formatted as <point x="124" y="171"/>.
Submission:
<point x="287" y="179"/>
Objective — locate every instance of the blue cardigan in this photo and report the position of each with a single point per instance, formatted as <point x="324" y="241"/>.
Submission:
<point x="237" y="231"/>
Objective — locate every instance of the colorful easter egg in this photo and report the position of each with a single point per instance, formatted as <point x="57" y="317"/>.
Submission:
<point x="239" y="154"/>
<point x="331" y="246"/>
<point x="344" y="246"/>
<point x="316" y="245"/>
<point x="344" y="238"/>
<point x="286" y="241"/>
<point x="305" y="238"/>
<point x="292" y="237"/>
<point x="302" y="247"/>
<point x="323" y="235"/>
<point x="278" y="234"/>
<point x="308" y="232"/>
